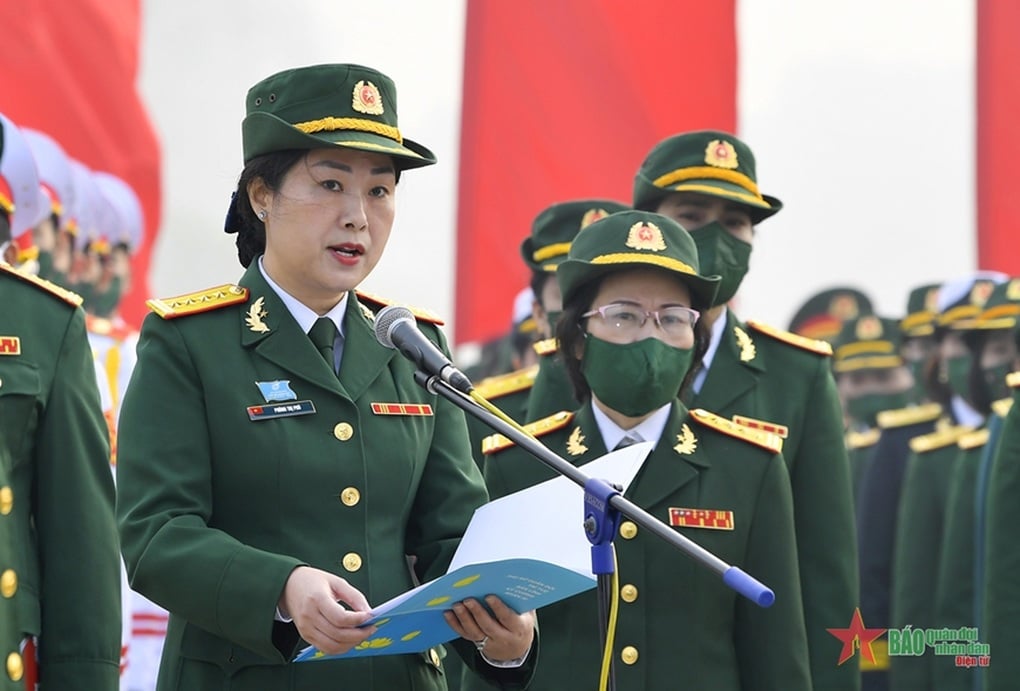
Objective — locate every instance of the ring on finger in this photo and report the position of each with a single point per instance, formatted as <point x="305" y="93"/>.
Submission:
<point x="480" y="645"/>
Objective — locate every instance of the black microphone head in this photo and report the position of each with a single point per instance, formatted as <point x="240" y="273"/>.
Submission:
<point x="386" y="319"/>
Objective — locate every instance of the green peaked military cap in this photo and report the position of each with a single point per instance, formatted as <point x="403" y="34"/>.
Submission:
<point x="324" y="105"/>
<point x="962" y="300"/>
<point x="922" y="306"/>
<point x="556" y="227"/>
<point x="823" y="314"/>
<point x="1002" y="308"/>
<point x="706" y="161"/>
<point x="867" y="342"/>
<point x="633" y="239"/>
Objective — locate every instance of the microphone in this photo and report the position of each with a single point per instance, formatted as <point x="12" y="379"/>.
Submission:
<point x="395" y="327"/>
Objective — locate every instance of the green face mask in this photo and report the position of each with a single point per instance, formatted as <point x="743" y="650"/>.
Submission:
<point x="719" y="253"/>
<point x="995" y="381"/>
<point x="634" y="378"/>
<point x="866" y="408"/>
<point x="959" y="371"/>
<point x="918" y="393"/>
<point x="104" y="304"/>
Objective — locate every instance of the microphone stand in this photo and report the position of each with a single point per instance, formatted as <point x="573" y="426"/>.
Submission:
<point x="603" y="506"/>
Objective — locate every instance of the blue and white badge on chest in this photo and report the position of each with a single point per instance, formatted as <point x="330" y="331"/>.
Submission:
<point x="278" y="390"/>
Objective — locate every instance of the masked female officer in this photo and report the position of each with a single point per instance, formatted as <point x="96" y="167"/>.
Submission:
<point x="631" y="339"/>
<point x="263" y="496"/>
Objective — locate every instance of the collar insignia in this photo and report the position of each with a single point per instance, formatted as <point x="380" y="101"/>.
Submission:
<point x="575" y="444"/>
<point x="747" y="349"/>
<point x="686" y="441"/>
<point x="256" y="313"/>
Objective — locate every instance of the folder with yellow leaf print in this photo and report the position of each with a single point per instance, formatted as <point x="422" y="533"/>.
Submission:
<point x="528" y="548"/>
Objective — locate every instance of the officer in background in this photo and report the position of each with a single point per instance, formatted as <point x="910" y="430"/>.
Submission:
<point x="706" y="181"/>
<point x="917" y="343"/>
<point x="921" y="512"/>
<point x="823" y="314"/>
<point x="871" y="377"/>
<point x="60" y="582"/>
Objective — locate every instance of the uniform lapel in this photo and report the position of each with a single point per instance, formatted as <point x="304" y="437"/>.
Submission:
<point x="364" y="358"/>
<point x="272" y="332"/>
<point x="674" y="462"/>
<point x="735" y="368"/>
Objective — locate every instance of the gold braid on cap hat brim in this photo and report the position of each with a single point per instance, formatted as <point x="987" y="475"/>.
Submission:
<point x="852" y="349"/>
<point x="874" y="362"/>
<point x="332" y="124"/>
<point x="634" y="258"/>
<point x="709" y="173"/>
<point x="550" y="251"/>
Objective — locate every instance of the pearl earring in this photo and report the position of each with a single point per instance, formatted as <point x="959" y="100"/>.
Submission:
<point x="262" y="214"/>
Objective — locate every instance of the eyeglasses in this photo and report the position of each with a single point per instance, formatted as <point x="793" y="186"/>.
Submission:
<point x="628" y="319"/>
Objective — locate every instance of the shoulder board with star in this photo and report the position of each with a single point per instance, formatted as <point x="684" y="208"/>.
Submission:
<point x="862" y="440"/>
<point x="47" y="286"/>
<point x="939" y="439"/>
<point x="418" y="312"/>
<point x="497" y="442"/>
<point x="506" y="384"/>
<point x="766" y="440"/>
<point x="1013" y="380"/>
<point x="198" y="302"/>
<point x="547" y="346"/>
<point x="809" y="344"/>
<point x="913" y="415"/>
<point x="973" y="440"/>
<point x="1002" y="406"/>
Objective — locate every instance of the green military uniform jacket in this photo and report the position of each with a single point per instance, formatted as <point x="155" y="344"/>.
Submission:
<point x="552" y="391"/>
<point x="508" y="392"/>
<point x="679" y="627"/>
<point x="919" y="529"/>
<point x="60" y="573"/>
<point x="955" y="585"/>
<point x="785" y="379"/>
<point x="859" y="446"/>
<point x="1001" y="601"/>
<point x="216" y="509"/>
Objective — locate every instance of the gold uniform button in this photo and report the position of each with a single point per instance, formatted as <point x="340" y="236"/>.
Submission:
<point x="352" y="561"/>
<point x="629" y="655"/>
<point x="343" y="431"/>
<point x="15" y="667"/>
<point x="6" y="500"/>
<point x="434" y="657"/>
<point x="8" y="583"/>
<point x="628" y="530"/>
<point x="350" y="496"/>
<point x="628" y="593"/>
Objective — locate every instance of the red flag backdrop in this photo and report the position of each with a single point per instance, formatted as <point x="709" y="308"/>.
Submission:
<point x="70" y="70"/>
<point x="998" y="136"/>
<point x="562" y="99"/>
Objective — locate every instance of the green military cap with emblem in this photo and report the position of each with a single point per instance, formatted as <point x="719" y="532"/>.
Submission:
<point x="823" y="315"/>
<point x="961" y="300"/>
<point x="1002" y="309"/>
<point x="323" y="105"/>
<point x="556" y="227"/>
<point x="633" y="239"/>
<point x="922" y="306"/>
<point x="708" y="162"/>
<point x="867" y="342"/>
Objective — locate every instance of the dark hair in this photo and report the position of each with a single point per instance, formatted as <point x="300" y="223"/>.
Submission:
<point x="570" y="333"/>
<point x="251" y="232"/>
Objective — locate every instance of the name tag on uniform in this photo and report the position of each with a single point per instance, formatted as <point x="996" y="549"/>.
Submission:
<point x="402" y="409"/>
<point x="272" y="411"/>
<point x="712" y="519"/>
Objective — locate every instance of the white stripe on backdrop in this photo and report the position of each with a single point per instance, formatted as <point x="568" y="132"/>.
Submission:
<point x="861" y="116"/>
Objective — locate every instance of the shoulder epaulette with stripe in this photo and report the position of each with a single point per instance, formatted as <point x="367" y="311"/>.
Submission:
<point x="766" y="440"/>
<point x="497" y="442"/>
<point x="198" y="302"/>
<point x="802" y="342"/>
<point x="939" y="439"/>
<point x="546" y="346"/>
<point x="506" y="384"/>
<point x="901" y="417"/>
<point x="1002" y="406"/>
<point x="1013" y="380"/>
<point x="973" y="440"/>
<point x="782" y="430"/>
<point x="418" y="312"/>
<point x="862" y="440"/>
<point x="51" y="288"/>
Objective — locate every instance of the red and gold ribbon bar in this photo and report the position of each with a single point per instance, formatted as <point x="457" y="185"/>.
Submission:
<point x="713" y="519"/>
<point x="10" y="345"/>
<point x="782" y="431"/>
<point x="402" y="409"/>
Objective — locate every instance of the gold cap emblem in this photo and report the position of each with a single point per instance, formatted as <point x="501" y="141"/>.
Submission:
<point x="721" y="154"/>
<point x="869" y="329"/>
<point x="367" y="98"/>
<point x="980" y="292"/>
<point x="592" y="215"/>
<point x="843" y="307"/>
<point x="645" y="236"/>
